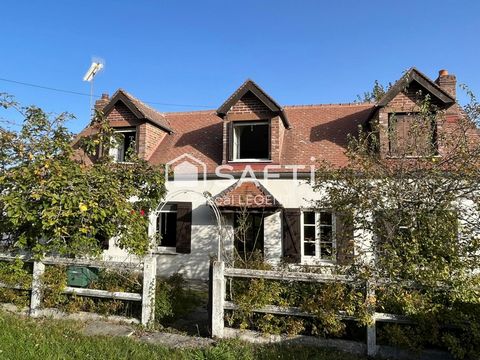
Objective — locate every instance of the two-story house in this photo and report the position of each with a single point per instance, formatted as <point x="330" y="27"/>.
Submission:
<point x="215" y="154"/>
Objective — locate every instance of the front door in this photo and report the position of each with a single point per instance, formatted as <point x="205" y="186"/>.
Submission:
<point x="249" y="235"/>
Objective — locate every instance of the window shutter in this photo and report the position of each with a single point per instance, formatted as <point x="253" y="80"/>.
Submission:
<point x="344" y="237"/>
<point x="184" y="227"/>
<point x="291" y="235"/>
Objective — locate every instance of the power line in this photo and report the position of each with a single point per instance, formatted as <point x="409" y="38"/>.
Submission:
<point x="46" y="87"/>
<point x="71" y="92"/>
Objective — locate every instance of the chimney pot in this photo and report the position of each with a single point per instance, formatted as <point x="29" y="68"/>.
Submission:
<point x="105" y="96"/>
<point x="443" y="72"/>
<point x="447" y="82"/>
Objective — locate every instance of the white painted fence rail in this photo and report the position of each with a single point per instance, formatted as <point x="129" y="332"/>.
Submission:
<point x="218" y="275"/>
<point x="147" y="297"/>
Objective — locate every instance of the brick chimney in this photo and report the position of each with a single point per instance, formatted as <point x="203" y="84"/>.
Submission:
<point x="447" y="82"/>
<point x="102" y="102"/>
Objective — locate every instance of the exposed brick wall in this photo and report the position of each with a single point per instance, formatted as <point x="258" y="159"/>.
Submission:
<point x="448" y="83"/>
<point x="250" y="108"/>
<point x="225" y="136"/>
<point x="406" y="102"/>
<point x="102" y="102"/>
<point x="249" y="103"/>
<point x="121" y="116"/>
<point x="275" y="139"/>
<point x="148" y="135"/>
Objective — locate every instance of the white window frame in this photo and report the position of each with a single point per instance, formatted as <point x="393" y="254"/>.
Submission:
<point x="167" y="208"/>
<point x="117" y="151"/>
<point x="316" y="259"/>
<point x="236" y="143"/>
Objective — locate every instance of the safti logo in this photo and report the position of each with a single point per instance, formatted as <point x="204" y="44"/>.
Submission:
<point x="188" y="170"/>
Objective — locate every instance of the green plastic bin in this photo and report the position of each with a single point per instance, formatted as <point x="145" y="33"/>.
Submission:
<point x="81" y="276"/>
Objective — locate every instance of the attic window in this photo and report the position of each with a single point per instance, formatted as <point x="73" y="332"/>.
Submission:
<point x="251" y="141"/>
<point x="411" y="135"/>
<point x="123" y="145"/>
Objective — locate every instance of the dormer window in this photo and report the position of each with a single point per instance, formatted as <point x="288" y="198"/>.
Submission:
<point x="124" y="145"/>
<point x="411" y="135"/>
<point x="255" y="125"/>
<point x="251" y="141"/>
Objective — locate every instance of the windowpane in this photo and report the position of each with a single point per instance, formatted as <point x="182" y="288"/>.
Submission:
<point x="318" y="241"/>
<point x="252" y="141"/>
<point x="325" y="218"/>
<point x="325" y="233"/>
<point x="128" y="145"/>
<point x="309" y="233"/>
<point x="326" y="251"/>
<point x="309" y="217"/>
<point x="309" y="249"/>
<point x="167" y="228"/>
<point x="124" y="145"/>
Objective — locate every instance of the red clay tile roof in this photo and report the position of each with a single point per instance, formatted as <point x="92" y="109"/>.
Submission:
<point x="250" y="194"/>
<point x="140" y="109"/>
<point x="318" y="132"/>
<point x="199" y="134"/>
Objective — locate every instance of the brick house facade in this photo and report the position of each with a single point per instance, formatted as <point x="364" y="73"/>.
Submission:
<point x="251" y="133"/>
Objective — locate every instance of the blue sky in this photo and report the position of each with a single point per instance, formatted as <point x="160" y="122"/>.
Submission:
<point x="196" y="53"/>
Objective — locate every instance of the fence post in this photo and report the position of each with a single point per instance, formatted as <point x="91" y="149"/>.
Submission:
<point x="218" y="298"/>
<point x="36" y="295"/>
<point x="372" y="328"/>
<point x="148" y="291"/>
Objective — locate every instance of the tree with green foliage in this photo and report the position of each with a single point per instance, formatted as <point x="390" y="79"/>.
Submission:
<point x="376" y="94"/>
<point x="54" y="202"/>
<point x="416" y="216"/>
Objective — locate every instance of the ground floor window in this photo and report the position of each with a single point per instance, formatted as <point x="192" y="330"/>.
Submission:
<point x="318" y="235"/>
<point x="167" y="226"/>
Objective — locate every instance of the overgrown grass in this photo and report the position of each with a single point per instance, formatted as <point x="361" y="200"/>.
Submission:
<point x="22" y="338"/>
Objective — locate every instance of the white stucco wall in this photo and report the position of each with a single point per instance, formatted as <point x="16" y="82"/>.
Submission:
<point x="205" y="239"/>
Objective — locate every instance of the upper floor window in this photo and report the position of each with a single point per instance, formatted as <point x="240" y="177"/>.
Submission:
<point x="318" y="235"/>
<point x="251" y="140"/>
<point x="411" y="135"/>
<point x="124" y="145"/>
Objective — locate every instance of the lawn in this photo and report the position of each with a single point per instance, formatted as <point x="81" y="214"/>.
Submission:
<point x="23" y="338"/>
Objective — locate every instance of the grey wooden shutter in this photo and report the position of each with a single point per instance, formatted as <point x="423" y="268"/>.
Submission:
<point x="184" y="227"/>
<point x="291" y="235"/>
<point x="344" y="238"/>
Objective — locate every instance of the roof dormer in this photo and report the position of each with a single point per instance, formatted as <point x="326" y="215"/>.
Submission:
<point x="141" y="127"/>
<point x="254" y="124"/>
<point x="402" y="131"/>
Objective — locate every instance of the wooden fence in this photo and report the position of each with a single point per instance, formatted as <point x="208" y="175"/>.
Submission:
<point x="147" y="297"/>
<point x="218" y="275"/>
